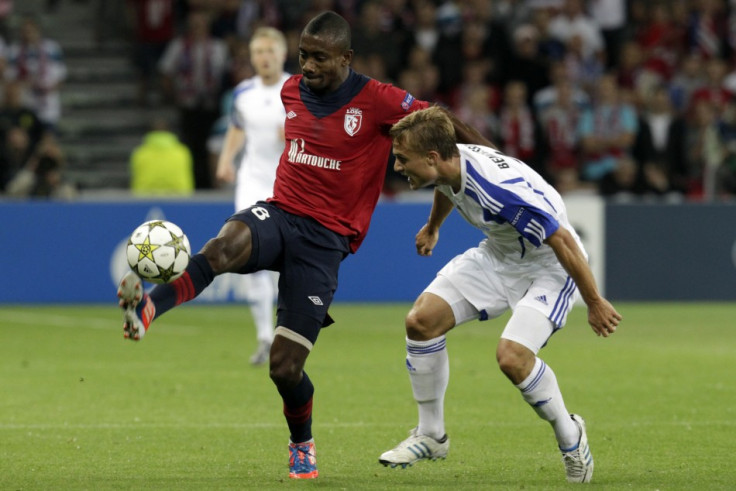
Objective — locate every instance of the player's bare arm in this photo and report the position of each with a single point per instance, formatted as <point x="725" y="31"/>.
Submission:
<point x="602" y="316"/>
<point x="234" y="139"/>
<point x="429" y="234"/>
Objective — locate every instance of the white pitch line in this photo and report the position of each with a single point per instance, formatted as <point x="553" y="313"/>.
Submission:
<point x="129" y="426"/>
<point x="354" y="424"/>
<point x="8" y="317"/>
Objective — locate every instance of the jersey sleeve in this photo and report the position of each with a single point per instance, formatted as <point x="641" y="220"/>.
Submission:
<point x="395" y="103"/>
<point x="532" y="223"/>
<point x="503" y="205"/>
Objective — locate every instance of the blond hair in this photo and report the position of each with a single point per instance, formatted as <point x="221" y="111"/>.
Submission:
<point x="425" y="130"/>
<point x="272" y="34"/>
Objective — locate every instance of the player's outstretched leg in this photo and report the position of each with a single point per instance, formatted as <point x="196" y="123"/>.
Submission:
<point x="578" y="460"/>
<point x="415" y="448"/>
<point x="228" y="252"/>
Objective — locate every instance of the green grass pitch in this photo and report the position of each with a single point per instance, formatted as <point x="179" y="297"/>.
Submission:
<point x="81" y="408"/>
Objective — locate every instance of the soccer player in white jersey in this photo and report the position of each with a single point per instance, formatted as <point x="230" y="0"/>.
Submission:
<point x="257" y="128"/>
<point x="531" y="262"/>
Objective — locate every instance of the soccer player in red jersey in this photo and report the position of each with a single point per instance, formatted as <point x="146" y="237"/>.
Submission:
<point x="327" y="184"/>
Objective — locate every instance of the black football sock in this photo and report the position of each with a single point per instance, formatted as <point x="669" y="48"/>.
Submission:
<point x="298" y="409"/>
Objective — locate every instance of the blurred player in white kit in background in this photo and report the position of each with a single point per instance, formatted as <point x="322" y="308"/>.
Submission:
<point x="257" y="127"/>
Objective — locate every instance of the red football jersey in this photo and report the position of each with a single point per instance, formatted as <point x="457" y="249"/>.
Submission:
<point x="337" y="149"/>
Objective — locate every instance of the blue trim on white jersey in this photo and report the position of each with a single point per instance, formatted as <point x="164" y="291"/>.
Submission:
<point x="533" y="223"/>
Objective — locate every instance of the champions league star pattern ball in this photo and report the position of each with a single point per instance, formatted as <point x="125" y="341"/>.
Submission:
<point x="158" y="251"/>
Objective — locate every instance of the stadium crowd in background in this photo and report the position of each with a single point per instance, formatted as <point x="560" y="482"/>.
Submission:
<point x="32" y="69"/>
<point x="575" y="88"/>
<point x="663" y="125"/>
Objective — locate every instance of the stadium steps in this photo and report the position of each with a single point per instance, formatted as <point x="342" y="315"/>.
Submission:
<point x="100" y="123"/>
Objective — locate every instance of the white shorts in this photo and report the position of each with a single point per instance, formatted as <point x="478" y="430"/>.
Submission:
<point x="249" y="192"/>
<point x="473" y="286"/>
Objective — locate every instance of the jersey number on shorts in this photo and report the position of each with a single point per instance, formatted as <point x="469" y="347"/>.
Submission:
<point x="260" y="213"/>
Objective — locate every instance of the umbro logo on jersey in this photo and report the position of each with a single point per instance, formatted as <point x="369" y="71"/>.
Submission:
<point x="542" y="298"/>
<point x="315" y="300"/>
<point x="290" y="115"/>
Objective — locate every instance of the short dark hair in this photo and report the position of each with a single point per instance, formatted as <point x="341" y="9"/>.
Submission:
<point x="331" y="24"/>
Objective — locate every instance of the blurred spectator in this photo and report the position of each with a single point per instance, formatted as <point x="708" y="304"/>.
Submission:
<point x="662" y="152"/>
<point x="607" y="131"/>
<point x="497" y="44"/>
<point x="571" y="22"/>
<point x="511" y="13"/>
<point x="634" y="75"/>
<point x="527" y="63"/>
<point x="194" y="66"/>
<point x="518" y="130"/>
<point x="425" y="32"/>
<point x="423" y="76"/>
<point x="476" y="75"/>
<point x="42" y="176"/>
<point x="714" y="91"/>
<point x="583" y="68"/>
<point x="548" y="96"/>
<point x="705" y="150"/>
<point x="6" y="12"/>
<point x="662" y="40"/>
<point x="224" y="23"/>
<point x="38" y="63"/>
<point x="153" y="26"/>
<point x="610" y="16"/>
<point x="15" y="114"/>
<point x="254" y="13"/>
<point x="707" y="28"/>
<point x="474" y="108"/>
<point x="559" y="126"/>
<point x="549" y="46"/>
<point x="161" y="165"/>
<point x="479" y="40"/>
<point x="686" y="80"/>
<point x="372" y="66"/>
<point x="372" y="40"/>
<point x="239" y="66"/>
<point x="726" y="176"/>
<point x="292" y="43"/>
<point x="623" y="181"/>
<point x="14" y="154"/>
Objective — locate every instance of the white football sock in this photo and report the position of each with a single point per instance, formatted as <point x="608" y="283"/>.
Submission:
<point x="261" y="294"/>
<point x="429" y="373"/>
<point x="541" y="391"/>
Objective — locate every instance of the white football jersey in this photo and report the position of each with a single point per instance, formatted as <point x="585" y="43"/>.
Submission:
<point x="513" y="205"/>
<point x="258" y="110"/>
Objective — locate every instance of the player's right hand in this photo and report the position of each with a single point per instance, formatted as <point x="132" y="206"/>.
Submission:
<point x="426" y="239"/>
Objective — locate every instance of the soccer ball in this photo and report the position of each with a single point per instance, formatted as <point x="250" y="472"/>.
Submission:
<point x="158" y="251"/>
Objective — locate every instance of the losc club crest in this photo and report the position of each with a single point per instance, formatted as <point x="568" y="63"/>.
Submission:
<point x="353" y="120"/>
